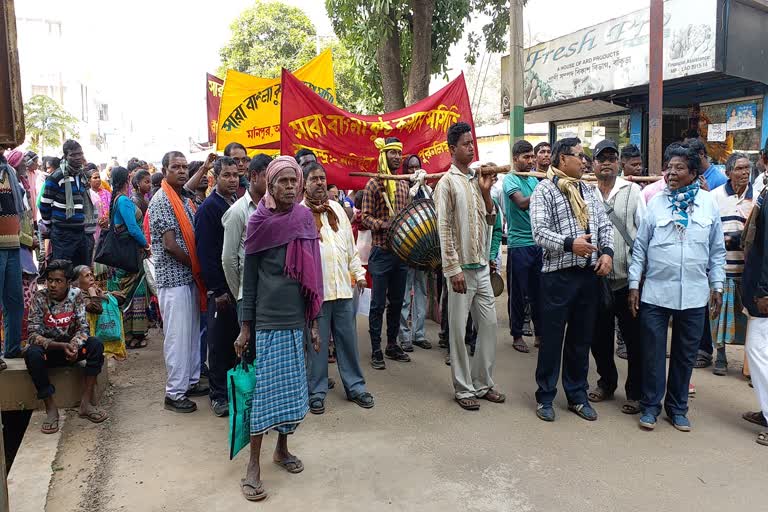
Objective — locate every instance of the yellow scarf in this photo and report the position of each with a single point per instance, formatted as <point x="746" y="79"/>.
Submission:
<point x="570" y="188"/>
<point x="389" y="185"/>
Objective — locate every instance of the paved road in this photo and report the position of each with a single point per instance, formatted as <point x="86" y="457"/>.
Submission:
<point x="417" y="450"/>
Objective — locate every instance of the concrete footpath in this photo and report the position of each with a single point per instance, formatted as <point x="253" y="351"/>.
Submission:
<point x="417" y="450"/>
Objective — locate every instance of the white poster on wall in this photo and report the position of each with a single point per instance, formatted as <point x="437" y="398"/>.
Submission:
<point x="614" y="55"/>
<point x="716" y="132"/>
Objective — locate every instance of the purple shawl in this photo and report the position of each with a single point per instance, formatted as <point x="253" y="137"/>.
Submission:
<point x="268" y="229"/>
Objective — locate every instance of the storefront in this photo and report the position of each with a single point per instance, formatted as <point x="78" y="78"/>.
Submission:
<point x="594" y="83"/>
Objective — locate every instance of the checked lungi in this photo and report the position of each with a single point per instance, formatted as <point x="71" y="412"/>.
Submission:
<point x="280" y="398"/>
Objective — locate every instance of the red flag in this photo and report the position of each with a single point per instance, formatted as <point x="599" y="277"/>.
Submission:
<point x="213" y="88"/>
<point x="343" y="142"/>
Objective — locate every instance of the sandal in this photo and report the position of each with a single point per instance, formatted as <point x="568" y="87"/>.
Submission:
<point x="755" y="417"/>
<point x="703" y="361"/>
<point x="762" y="438"/>
<point x="135" y="343"/>
<point x="317" y="406"/>
<point x="521" y="346"/>
<point x="257" y="494"/>
<point x="95" y="416"/>
<point x="599" y="395"/>
<point x="50" y="427"/>
<point x="468" y="404"/>
<point x="364" y="400"/>
<point x="631" y="407"/>
<point x="292" y="464"/>
<point x="494" y="396"/>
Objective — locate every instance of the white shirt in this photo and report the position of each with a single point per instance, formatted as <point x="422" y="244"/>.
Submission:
<point x="235" y="222"/>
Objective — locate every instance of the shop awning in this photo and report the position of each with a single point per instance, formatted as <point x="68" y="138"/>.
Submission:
<point x="576" y="110"/>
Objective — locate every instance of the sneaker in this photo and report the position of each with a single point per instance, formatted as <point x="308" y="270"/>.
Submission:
<point x="648" y="421"/>
<point x="407" y="348"/>
<point x="720" y="369"/>
<point x="442" y="342"/>
<point x="545" y="412"/>
<point x="395" y="352"/>
<point x="182" y="405"/>
<point x="220" y="408"/>
<point x="584" y="411"/>
<point x="423" y="344"/>
<point x="680" y="422"/>
<point x="377" y="360"/>
<point x="198" y="390"/>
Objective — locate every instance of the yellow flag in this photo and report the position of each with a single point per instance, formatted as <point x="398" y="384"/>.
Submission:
<point x="250" y="106"/>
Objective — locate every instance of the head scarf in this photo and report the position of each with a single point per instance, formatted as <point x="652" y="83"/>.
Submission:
<point x="570" y="189"/>
<point x="681" y="202"/>
<point x="273" y="169"/>
<point x="389" y="185"/>
<point x="7" y="171"/>
<point x="14" y="158"/>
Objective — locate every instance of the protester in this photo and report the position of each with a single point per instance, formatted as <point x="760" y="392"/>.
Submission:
<point x="761" y="171"/>
<point x="523" y="255"/>
<point x="11" y="212"/>
<point x="141" y="184"/>
<point x="197" y="190"/>
<point x="282" y="296"/>
<point x="235" y="222"/>
<point x="222" y="311"/>
<point x="625" y="208"/>
<point x="94" y="298"/>
<point x="711" y="173"/>
<point x="734" y="201"/>
<point x="66" y="206"/>
<point x="239" y="154"/>
<point x="680" y="238"/>
<point x="413" y="333"/>
<point x="543" y="152"/>
<point x="305" y="157"/>
<point x="382" y="200"/>
<point x="465" y="215"/>
<point x="333" y="193"/>
<point x="131" y="286"/>
<point x="156" y="179"/>
<point x="59" y="335"/>
<point x="570" y="225"/>
<point x="755" y="298"/>
<point x="180" y="287"/>
<point x="631" y="162"/>
<point x="340" y="263"/>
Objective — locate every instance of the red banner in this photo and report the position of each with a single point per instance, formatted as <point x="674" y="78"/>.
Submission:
<point x="214" y="86"/>
<point x="343" y="142"/>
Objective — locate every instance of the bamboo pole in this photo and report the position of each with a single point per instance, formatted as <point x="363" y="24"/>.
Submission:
<point x="489" y="169"/>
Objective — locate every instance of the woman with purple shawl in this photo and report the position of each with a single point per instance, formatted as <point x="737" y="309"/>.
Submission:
<point x="282" y="296"/>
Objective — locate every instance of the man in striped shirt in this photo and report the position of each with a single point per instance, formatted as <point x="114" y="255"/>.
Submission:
<point x="63" y="208"/>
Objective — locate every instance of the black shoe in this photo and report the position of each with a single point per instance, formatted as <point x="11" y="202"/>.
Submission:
<point x="423" y="344"/>
<point x="396" y="354"/>
<point x="442" y="341"/>
<point x="183" y="405"/>
<point x="721" y="368"/>
<point x="377" y="360"/>
<point x="220" y="408"/>
<point x="407" y="348"/>
<point x="198" y="390"/>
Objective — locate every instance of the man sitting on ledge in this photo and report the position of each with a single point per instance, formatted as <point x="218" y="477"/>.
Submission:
<point x="58" y="335"/>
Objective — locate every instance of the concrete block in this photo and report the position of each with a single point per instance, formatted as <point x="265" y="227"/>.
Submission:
<point x="32" y="468"/>
<point x="18" y="393"/>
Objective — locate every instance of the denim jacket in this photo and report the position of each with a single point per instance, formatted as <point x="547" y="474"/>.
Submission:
<point x="679" y="271"/>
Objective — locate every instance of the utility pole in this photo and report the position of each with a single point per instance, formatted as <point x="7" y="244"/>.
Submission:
<point x="515" y="78"/>
<point x="656" y="87"/>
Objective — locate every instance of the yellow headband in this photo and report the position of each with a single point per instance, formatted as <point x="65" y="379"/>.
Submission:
<point x="382" y="145"/>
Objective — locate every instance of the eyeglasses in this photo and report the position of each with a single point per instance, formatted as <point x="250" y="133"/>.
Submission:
<point x="612" y="158"/>
<point x="243" y="160"/>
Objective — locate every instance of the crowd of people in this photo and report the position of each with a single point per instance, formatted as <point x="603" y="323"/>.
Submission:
<point x="263" y="259"/>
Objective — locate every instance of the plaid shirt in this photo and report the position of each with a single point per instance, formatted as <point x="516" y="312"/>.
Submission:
<point x="375" y="214"/>
<point x="555" y="227"/>
<point x="63" y="321"/>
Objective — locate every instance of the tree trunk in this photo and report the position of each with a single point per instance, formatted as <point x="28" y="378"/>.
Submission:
<point x="421" y="55"/>
<point x="388" y="59"/>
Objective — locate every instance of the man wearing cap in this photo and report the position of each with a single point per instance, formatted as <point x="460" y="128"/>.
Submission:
<point x="625" y="207"/>
<point x="382" y="200"/>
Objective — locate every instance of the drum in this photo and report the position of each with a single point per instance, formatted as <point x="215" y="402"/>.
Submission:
<point x="413" y="235"/>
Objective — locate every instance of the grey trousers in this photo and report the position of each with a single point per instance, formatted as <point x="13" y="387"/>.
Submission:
<point x="473" y="378"/>
<point x="341" y="314"/>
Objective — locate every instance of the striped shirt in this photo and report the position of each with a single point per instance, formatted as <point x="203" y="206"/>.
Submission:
<point x="734" y="212"/>
<point x="375" y="214"/>
<point x="555" y="227"/>
<point x="53" y="204"/>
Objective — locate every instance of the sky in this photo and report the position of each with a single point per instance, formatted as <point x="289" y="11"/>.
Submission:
<point x="149" y="57"/>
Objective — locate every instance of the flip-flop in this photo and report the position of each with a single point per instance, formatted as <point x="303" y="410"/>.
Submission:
<point x="94" y="416"/>
<point x="50" y="427"/>
<point x="755" y="417"/>
<point x="631" y="407"/>
<point x="521" y="346"/>
<point x="291" y="464"/>
<point x="494" y="396"/>
<point x="599" y="395"/>
<point x="468" y="404"/>
<point x="762" y="438"/>
<point x="258" y="494"/>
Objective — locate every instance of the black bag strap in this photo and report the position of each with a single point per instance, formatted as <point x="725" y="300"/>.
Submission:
<point x="619" y="226"/>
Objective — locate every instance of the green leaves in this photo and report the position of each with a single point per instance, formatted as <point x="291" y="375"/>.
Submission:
<point x="47" y="123"/>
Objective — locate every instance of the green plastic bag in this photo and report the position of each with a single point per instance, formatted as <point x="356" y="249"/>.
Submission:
<point x="240" y="383"/>
<point x="109" y="326"/>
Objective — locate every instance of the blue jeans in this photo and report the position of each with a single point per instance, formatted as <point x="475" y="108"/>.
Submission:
<point x="337" y="316"/>
<point x="389" y="274"/>
<point x="12" y="300"/>
<point x="416" y="281"/>
<point x="687" y="326"/>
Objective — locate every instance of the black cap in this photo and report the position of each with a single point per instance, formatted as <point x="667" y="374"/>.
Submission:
<point x="603" y="145"/>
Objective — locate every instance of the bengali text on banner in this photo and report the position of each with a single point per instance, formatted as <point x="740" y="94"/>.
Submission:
<point x="214" y="86"/>
<point x="343" y="142"/>
<point x="250" y="106"/>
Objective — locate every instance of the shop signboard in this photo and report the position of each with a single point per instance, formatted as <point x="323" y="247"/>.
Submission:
<point x="614" y="55"/>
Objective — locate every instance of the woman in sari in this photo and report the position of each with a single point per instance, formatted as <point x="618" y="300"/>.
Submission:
<point x="131" y="288"/>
